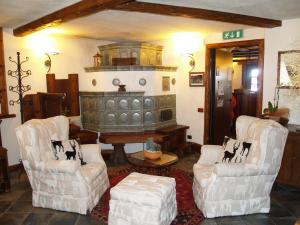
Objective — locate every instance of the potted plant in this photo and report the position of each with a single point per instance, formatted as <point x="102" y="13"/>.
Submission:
<point x="271" y="108"/>
<point x="153" y="150"/>
<point x="280" y="115"/>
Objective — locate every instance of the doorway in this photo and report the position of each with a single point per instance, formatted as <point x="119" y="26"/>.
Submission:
<point x="233" y="87"/>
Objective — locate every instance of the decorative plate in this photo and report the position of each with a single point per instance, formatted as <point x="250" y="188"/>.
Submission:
<point x="116" y="81"/>
<point x="142" y="81"/>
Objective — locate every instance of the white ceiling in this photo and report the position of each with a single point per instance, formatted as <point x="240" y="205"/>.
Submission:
<point x="14" y="13"/>
<point x="120" y="26"/>
<point x="131" y="26"/>
<point x="273" y="9"/>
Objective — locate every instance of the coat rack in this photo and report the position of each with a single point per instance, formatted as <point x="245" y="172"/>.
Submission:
<point x="20" y="89"/>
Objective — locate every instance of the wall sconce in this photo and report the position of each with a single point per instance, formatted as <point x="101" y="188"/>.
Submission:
<point x="192" y="61"/>
<point x="48" y="62"/>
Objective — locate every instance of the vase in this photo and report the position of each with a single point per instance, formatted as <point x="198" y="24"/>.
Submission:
<point x="152" y="154"/>
<point x="122" y="87"/>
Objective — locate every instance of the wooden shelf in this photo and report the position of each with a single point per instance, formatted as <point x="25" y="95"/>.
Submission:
<point x="130" y="68"/>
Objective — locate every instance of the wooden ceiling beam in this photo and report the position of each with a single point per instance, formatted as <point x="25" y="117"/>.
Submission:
<point x="197" y="13"/>
<point x="77" y="10"/>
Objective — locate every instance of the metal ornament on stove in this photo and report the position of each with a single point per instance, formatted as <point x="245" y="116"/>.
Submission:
<point x="142" y="81"/>
<point x="116" y="82"/>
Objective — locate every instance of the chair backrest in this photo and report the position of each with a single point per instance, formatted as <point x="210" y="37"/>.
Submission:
<point x="34" y="138"/>
<point x="268" y="140"/>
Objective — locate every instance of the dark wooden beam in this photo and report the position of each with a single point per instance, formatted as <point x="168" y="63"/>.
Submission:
<point x="77" y="10"/>
<point x="197" y="13"/>
<point x="245" y="60"/>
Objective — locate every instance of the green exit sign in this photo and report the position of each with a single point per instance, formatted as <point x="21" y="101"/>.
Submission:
<point x="233" y="34"/>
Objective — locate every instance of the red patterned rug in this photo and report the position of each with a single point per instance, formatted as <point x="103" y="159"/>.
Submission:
<point x="188" y="213"/>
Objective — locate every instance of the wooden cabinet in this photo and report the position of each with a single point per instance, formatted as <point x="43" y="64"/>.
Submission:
<point x="4" y="177"/>
<point x="177" y="138"/>
<point x="3" y="92"/>
<point x="290" y="167"/>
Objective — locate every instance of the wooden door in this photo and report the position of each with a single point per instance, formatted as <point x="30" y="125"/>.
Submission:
<point x="222" y="95"/>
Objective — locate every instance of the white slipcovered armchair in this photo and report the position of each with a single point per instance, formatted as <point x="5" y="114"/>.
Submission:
<point x="60" y="184"/>
<point x="224" y="189"/>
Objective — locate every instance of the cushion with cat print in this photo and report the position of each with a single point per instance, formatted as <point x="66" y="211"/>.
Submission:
<point x="235" y="151"/>
<point x="67" y="150"/>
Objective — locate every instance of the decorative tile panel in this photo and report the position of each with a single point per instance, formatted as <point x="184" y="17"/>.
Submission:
<point x="123" y="103"/>
<point x="125" y="111"/>
<point x="136" y="104"/>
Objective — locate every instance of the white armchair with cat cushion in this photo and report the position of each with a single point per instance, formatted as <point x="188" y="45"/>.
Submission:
<point x="237" y="178"/>
<point x="61" y="183"/>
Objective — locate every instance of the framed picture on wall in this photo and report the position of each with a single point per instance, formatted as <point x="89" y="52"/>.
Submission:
<point x="196" y="79"/>
<point x="166" y="83"/>
<point x="288" y="69"/>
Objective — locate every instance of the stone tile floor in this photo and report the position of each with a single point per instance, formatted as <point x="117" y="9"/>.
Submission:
<point x="16" y="208"/>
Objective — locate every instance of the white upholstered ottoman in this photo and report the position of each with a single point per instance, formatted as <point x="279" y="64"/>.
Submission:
<point x="142" y="199"/>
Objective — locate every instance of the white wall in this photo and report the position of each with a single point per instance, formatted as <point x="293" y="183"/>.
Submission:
<point x="282" y="38"/>
<point x="76" y="53"/>
<point x="188" y="99"/>
<point x="130" y="79"/>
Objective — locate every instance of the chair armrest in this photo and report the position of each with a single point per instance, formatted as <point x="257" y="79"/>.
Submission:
<point x="91" y="153"/>
<point x="210" y="154"/>
<point x="235" y="170"/>
<point x="60" y="166"/>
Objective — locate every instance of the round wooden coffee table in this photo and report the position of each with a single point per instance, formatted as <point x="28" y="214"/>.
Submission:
<point x="138" y="159"/>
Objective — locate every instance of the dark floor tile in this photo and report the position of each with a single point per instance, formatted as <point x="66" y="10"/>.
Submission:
<point x="63" y="218"/>
<point x="87" y="220"/>
<point x="209" y="222"/>
<point x="20" y="206"/>
<point x="278" y="210"/>
<point x="289" y="188"/>
<point x="293" y="207"/>
<point x="43" y="210"/>
<point x="277" y="187"/>
<point x="230" y="220"/>
<point x="12" y="218"/>
<point x="26" y="196"/>
<point x="283" y="196"/>
<point x="296" y="194"/>
<point x="4" y="205"/>
<point x="265" y="221"/>
<point x="284" y="220"/>
<point x="37" y="219"/>
<point x="255" y="216"/>
<point x="11" y="196"/>
<point x="21" y="186"/>
<point x="259" y="222"/>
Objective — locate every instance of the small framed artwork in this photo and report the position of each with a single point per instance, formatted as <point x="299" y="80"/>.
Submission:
<point x="196" y="79"/>
<point x="166" y="83"/>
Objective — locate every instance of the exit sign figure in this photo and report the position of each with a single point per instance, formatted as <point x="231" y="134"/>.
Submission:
<point x="233" y="34"/>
